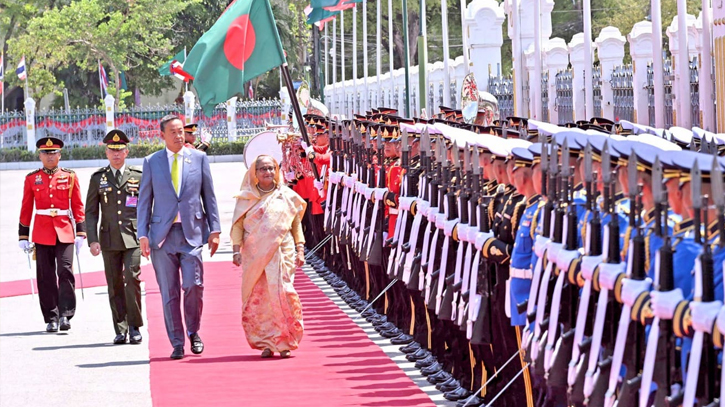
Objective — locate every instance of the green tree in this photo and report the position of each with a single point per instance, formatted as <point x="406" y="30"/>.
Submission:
<point x="129" y="36"/>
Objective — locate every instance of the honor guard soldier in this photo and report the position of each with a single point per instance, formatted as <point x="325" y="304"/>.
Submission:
<point x="111" y="202"/>
<point x="190" y="138"/>
<point x="56" y="195"/>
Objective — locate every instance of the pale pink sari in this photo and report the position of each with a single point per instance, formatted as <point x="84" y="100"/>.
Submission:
<point x="271" y="308"/>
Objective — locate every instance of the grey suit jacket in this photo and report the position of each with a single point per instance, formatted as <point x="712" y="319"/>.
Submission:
<point x="158" y="203"/>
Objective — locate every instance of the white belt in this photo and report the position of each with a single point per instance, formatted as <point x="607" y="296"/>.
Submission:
<point x="392" y="211"/>
<point x="520" y="273"/>
<point x="52" y="212"/>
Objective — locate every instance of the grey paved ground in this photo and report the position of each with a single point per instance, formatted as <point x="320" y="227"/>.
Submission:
<point x="80" y="368"/>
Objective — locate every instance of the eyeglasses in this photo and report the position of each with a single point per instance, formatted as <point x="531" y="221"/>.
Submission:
<point x="265" y="169"/>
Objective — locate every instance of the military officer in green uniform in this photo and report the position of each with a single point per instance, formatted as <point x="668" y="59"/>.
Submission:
<point x="111" y="202"/>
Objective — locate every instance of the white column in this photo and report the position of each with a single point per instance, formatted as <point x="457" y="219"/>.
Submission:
<point x="189" y="102"/>
<point x="640" y="49"/>
<point x="588" y="80"/>
<point x="610" y="50"/>
<point x="231" y="119"/>
<point x="682" y="68"/>
<point x="530" y="76"/>
<point x="707" y="108"/>
<point x="335" y="97"/>
<point x="30" y="123"/>
<point x="557" y="59"/>
<point x="517" y="54"/>
<point x="110" y="103"/>
<point x="390" y="39"/>
<point x="485" y="20"/>
<point x="681" y="106"/>
<point x="657" y="64"/>
<point x="446" y="56"/>
<point x="577" y="54"/>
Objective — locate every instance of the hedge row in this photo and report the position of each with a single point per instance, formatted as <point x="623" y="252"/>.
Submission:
<point x="98" y="152"/>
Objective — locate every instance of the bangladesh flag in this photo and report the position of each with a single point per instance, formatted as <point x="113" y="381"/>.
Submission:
<point x="334" y="5"/>
<point x="241" y="45"/>
<point x="165" y="69"/>
<point x="319" y="15"/>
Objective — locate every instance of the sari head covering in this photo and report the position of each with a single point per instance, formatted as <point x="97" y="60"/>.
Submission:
<point x="248" y="194"/>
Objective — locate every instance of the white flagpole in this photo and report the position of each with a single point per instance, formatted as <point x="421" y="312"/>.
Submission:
<point x="335" y="48"/>
<point x="588" y="80"/>
<point x="366" y="98"/>
<point x="658" y="64"/>
<point x="355" y="107"/>
<point x="100" y="78"/>
<point x="2" y="85"/>
<point x="342" y="61"/>
<point x="27" y="92"/>
<point x="327" y="59"/>
<point x="706" y="92"/>
<point x="536" y="86"/>
<point x="683" y="69"/>
<point x="446" y="56"/>
<point x="378" y="55"/>
<point x="464" y="38"/>
<point x="390" y="51"/>
<point x="186" y="83"/>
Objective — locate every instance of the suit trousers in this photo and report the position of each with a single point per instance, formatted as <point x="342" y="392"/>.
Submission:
<point x="56" y="283"/>
<point x="124" y="287"/>
<point x="176" y="253"/>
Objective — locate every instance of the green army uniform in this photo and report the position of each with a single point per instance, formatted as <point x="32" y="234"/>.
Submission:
<point x="111" y="205"/>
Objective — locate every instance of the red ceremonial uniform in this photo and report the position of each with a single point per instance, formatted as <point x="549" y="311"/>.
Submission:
<point x="53" y="194"/>
<point x="394" y="175"/>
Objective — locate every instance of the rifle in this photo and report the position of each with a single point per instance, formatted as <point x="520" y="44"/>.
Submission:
<point x="594" y="389"/>
<point x="437" y="279"/>
<point x="469" y="199"/>
<point x="418" y="253"/>
<point x="556" y="373"/>
<point x="661" y="363"/>
<point x="702" y="360"/>
<point x="401" y="221"/>
<point x="593" y="250"/>
<point x="375" y="252"/>
<point x="447" y="308"/>
<point x="630" y="342"/>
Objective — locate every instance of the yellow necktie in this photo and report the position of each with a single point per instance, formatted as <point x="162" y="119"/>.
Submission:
<point x="176" y="174"/>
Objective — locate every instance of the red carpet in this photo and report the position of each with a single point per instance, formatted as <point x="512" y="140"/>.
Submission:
<point x="22" y="287"/>
<point x="336" y="364"/>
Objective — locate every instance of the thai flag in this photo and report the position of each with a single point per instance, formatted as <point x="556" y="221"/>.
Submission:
<point x="177" y="70"/>
<point x="21" y="70"/>
<point x="250" y="92"/>
<point x="103" y="79"/>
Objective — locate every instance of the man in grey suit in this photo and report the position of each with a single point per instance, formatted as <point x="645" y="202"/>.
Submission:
<point x="177" y="214"/>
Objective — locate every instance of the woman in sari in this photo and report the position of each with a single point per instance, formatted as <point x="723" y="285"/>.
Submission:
<point x="269" y="245"/>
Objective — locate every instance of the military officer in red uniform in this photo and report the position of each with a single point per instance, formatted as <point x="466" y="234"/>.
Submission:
<point x="190" y="138"/>
<point x="56" y="196"/>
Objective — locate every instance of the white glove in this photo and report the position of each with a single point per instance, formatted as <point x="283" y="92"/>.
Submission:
<point x="704" y="315"/>
<point x="290" y="176"/>
<point x="24" y="245"/>
<point x="631" y="289"/>
<point x="608" y="274"/>
<point x="589" y="264"/>
<point x="304" y="145"/>
<point x="380" y="193"/>
<point x="405" y="203"/>
<point x="317" y="184"/>
<point x="721" y="320"/>
<point x="79" y="243"/>
<point x="540" y="245"/>
<point x="665" y="302"/>
<point x="565" y="258"/>
<point x="481" y="238"/>
<point x="448" y="227"/>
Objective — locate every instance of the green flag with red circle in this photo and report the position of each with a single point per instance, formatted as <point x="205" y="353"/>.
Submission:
<point x="243" y="44"/>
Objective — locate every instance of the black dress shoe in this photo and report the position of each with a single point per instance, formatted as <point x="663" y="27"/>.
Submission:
<point x="197" y="346"/>
<point x="178" y="352"/>
<point x="402" y="339"/>
<point x="427" y="361"/>
<point x="449" y="386"/>
<point x="429" y="370"/>
<point x="391" y="333"/>
<point x="52" y="326"/>
<point x="472" y="401"/>
<point x="120" y="339"/>
<point x="438" y="377"/>
<point x="134" y="336"/>
<point x="338" y="284"/>
<point x="386" y="326"/>
<point x="64" y="324"/>
<point x="368" y="313"/>
<point x="410" y="348"/>
<point x="457" y="394"/>
<point x="448" y="381"/>
<point x="417" y="355"/>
